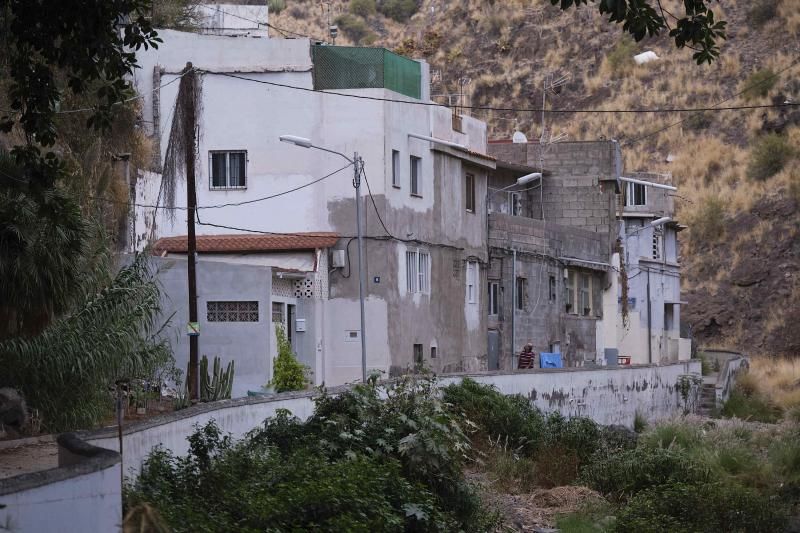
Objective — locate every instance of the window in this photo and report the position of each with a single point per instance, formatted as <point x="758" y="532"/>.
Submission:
<point x="416" y="170"/>
<point x="228" y="170"/>
<point x="232" y="311"/>
<point x="470" y="193"/>
<point x="552" y="290"/>
<point x="418" y="271"/>
<point x="472" y="281"/>
<point x="571" y="291"/>
<point x="418" y="355"/>
<point x="395" y="168"/>
<point x="585" y="307"/>
<point x="494" y="298"/>
<point x="658" y="234"/>
<point x="433" y="352"/>
<point x="277" y="312"/>
<point x="635" y="194"/>
<point x="411" y="272"/>
<point x="515" y="199"/>
<point x="521" y="293"/>
<point x="424" y="272"/>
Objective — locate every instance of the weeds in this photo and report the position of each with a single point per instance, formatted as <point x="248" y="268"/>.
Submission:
<point x="768" y="157"/>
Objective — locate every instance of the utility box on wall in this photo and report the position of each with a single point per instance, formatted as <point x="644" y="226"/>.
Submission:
<point x="300" y="324"/>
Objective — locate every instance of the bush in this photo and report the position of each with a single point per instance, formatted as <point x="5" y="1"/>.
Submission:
<point x="624" y="474"/>
<point x="759" y="84"/>
<point x="399" y="10"/>
<point x="708" y="220"/>
<point x="639" y="422"/>
<point x="769" y="155"/>
<point x="682" y="435"/>
<point x="679" y="507"/>
<point x="276" y="6"/>
<point x="699" y="121"/>
<point x="362" y="8"/>
<point x="354" y="27"/>
<point x="762" y="11"/>
<point x="620" y="58"/>
<point x="751" y="406"/>
<point x="288" y="373"/>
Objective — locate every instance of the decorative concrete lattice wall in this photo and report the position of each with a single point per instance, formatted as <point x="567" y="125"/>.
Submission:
<point x="283" y="288"/>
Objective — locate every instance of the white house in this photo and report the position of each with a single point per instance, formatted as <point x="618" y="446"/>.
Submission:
<point x="424" y="219"/>
<point x="649" y="235"/>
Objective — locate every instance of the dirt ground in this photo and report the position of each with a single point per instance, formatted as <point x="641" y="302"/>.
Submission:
<point x="534" y="511"/>
<point x="27" y="455"/>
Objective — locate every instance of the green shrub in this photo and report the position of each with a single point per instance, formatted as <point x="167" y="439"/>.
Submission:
<point x="362" y="8"/>
<point x="688" y="508"/>
<point x="769" y="155"/>
<point x="784" y="454"/>
<point x="354" y="27"/>
<point x="753" y="406"/>
<point x="628" y="472"/>
<point x="708" y="221"/>
<point x="620" y="58"/>
<point x="639" y="422"/>
<point x="399" y="10"/>
<point x="762" y="11"/>
<point x="276" y="6"/>
<point x="759" y="84"/>
<point x="671" y="435"/>
<point x="287" y="372"/>
<point x="699" y="121"/>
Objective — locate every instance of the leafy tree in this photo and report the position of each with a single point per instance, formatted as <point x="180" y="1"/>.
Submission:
<point x="694" y="27"/>
<point x="289" y="374"/>
<point x="67" y="47"/>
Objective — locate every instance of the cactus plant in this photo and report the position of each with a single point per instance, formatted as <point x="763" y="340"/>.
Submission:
<point x="218" y="384"/>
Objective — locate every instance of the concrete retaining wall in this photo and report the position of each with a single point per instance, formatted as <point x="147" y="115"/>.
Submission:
<point x="609" y="396"/>
<point x="83" y="494"/>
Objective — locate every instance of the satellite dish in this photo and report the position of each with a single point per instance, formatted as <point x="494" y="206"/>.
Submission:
<point x="519" y="138"/>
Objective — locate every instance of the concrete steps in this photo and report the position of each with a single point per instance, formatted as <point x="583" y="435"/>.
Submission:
<point x="707" y="404"/>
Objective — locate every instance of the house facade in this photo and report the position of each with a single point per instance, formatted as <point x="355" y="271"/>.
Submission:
<point x="649" y="234"/>
<point x="423" y="194"/>
<point x="551" y="248"/>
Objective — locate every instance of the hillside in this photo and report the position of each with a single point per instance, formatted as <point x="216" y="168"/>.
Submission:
<point x="739" y="186"/>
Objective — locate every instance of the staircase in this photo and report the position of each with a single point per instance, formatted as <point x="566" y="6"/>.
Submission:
<point x="707" y="406"/>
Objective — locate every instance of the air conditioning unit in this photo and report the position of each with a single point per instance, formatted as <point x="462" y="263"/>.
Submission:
<point x="338" y="258"/>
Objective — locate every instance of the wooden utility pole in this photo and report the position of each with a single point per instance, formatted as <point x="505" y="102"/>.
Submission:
<point x="191" y="204"/>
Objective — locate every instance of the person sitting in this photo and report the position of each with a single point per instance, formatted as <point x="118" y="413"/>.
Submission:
<point x="526" y="357"/>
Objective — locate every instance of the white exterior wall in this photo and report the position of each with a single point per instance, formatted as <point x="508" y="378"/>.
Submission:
<point x="90" y="502"/>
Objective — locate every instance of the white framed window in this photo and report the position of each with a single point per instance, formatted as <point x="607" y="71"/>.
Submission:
<point x="227" y="169"/>
<point x="494" y="298"/>
<point x="571" y="292"/>
<point x="470" y="192"/>
<point x="635" y="194"/>
<point x="418" y="271"/>
<point x="515" y="204"/>
<point x="416" y="176"/>
<point x="232" y="311"/>
<point x="658" y="243"/>
<point x="585" y="304"/>
<point x="278" y="312"/>
<point x="395" y="169"/>
<point x="472" y="282"/>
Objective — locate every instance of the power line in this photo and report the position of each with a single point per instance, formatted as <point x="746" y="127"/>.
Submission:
<point x="284" y="31"/>
<point x="511" y="109"/>
<point x="714" y="107"/>
<point x="231" y="204"/>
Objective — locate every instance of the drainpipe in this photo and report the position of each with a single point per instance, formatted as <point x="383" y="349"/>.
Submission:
<point x="649" y="323"/>
<point x="513" y="306"/>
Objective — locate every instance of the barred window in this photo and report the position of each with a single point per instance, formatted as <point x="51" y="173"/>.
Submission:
<point x="232" y="311"/>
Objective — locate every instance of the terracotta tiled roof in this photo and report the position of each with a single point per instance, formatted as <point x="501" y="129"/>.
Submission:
<point x="247" y="242"/>
<point x="479" y="155"/>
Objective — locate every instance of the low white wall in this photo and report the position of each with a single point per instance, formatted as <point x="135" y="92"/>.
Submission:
<point x="91" y="502"/>
<point x="608" y="396"/>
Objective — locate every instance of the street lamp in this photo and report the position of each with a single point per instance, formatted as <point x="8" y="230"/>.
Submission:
<point x="522" y="180"/>
<point x="358" y="165"/>
<point x="653" y="224"/>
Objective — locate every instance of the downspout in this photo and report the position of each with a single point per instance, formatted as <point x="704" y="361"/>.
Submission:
<point x="513" y="306"/>
<point x="649" y="323"/>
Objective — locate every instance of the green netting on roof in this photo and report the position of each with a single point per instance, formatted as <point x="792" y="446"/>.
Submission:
<point x="350" y="67"/>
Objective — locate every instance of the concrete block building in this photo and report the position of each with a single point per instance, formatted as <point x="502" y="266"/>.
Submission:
<point x="423" y="196"/>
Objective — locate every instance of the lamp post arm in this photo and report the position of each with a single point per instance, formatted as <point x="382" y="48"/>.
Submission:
<point x="332" y="152"/>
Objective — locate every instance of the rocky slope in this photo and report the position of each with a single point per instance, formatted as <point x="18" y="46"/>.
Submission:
<point x="740" y="254"/>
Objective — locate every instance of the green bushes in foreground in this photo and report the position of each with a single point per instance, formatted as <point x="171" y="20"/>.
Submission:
<point x="376" y="458"/>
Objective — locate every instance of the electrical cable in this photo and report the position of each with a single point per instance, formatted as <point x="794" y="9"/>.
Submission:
<point x="268" y="25"/>
<point x="512" y="109"/>
<point x="714" y="107"/>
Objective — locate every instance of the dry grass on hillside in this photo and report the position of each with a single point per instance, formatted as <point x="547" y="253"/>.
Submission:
<point x="777" y="378"/>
